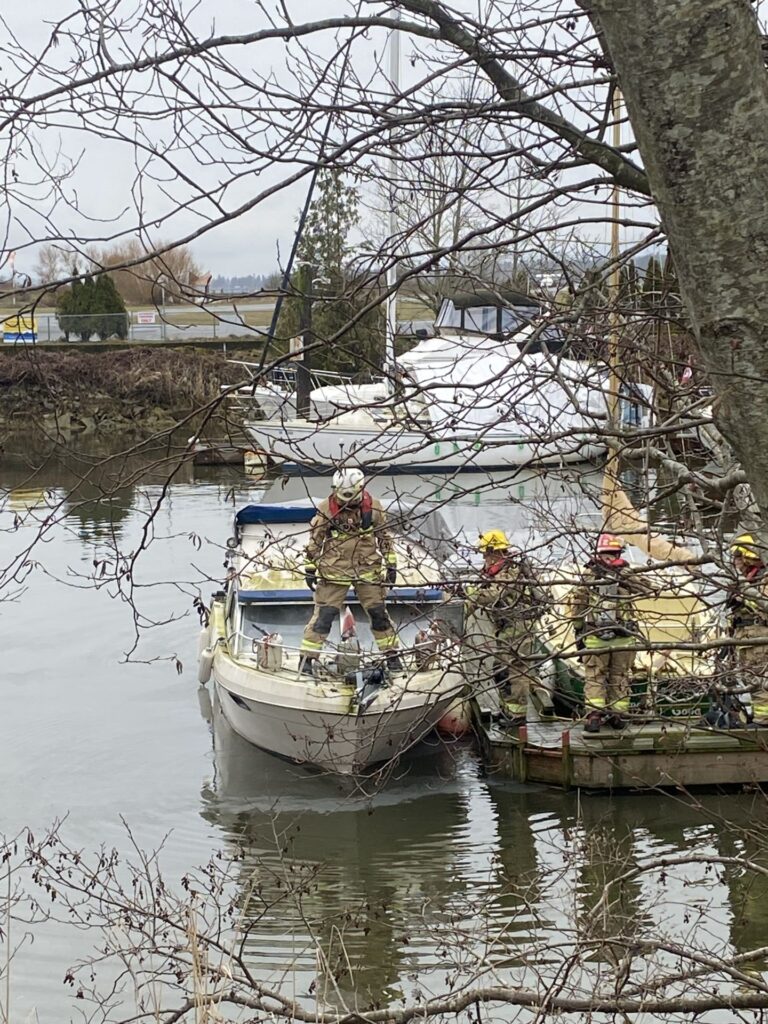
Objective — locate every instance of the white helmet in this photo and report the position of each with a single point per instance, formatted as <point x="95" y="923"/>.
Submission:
<point x="348" y="485"/>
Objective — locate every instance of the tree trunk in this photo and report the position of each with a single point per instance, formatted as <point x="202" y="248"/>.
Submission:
<point x="696" y="89"/>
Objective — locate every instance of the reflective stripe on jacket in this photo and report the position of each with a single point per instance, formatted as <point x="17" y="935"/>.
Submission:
<point x="344" y="547"/>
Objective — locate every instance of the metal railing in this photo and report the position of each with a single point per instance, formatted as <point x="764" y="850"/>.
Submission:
<point x="419" y="656"/>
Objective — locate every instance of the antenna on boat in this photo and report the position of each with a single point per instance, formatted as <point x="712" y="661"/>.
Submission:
<point x="319" y="165"/>
<point x="391" y="306"/>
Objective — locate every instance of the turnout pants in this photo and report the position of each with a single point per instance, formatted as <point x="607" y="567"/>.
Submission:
<point x="752" y="663"/>
<point x="607" y="677"/>
<point x="516" y="668"/>
<point x="498" y="663"/>
<point x="330" y="599"/>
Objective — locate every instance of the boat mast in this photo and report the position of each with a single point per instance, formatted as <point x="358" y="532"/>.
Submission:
<point x="613" y="286"/>
<point x="611" y="472"/>
<point x="391" y="306"/>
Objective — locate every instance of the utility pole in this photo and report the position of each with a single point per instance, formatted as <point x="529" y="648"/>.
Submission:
<point x="303" y="381"/>
<point x="611" y="483"/>
<point x="391" y="305"/>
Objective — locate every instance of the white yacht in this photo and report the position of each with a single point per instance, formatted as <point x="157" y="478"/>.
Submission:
<point x="492" y="389"/>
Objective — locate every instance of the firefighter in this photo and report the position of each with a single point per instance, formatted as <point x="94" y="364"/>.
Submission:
<point x="601" y="607"/>
<point x="349" y="546"/>
<point x="748" y="610"/>
<point x="509" y="594"/>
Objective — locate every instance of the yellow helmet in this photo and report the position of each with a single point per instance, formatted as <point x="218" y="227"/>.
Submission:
<point x="493" y="540"/>
<point x="745" y="546"/>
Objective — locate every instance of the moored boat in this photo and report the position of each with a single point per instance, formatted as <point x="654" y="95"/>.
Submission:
<point x="353" y="712"/>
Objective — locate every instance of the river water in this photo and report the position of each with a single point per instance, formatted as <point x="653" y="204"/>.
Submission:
<point x="442" y="873"/>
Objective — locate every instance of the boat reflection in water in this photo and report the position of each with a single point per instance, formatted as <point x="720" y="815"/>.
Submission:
<point x="442" y="876"/>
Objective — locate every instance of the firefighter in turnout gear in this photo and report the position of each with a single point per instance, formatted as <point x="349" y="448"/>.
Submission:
<point x="748" y="611"/>
<point x="349" y="546"/>
<point x="508" y="592"/>
<point x="602" y="611"/>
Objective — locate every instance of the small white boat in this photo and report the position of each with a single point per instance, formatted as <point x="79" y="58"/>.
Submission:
<point x="353" y="712"/>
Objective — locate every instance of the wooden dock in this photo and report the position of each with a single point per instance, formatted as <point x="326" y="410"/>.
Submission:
<point x="647" y="755"/>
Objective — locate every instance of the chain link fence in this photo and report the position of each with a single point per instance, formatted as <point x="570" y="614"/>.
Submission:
<point x="134" y="326"/>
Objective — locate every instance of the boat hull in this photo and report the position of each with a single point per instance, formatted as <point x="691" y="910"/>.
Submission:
<point x="324" y="729"/>
<point x="326" y="445"/>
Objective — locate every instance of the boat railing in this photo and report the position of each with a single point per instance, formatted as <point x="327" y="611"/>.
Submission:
<point x="341" y="660"/>
<point x="285" y="377"/>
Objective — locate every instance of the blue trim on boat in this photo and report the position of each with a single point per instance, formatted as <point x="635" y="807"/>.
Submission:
<point x="275" y="514"/>
<point x="421" y="595"/>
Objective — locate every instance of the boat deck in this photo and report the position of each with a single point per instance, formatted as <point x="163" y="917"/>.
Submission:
<point x="647" y="755"/>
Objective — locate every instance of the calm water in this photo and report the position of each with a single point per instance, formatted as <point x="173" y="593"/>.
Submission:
<point x="442" y="871"/>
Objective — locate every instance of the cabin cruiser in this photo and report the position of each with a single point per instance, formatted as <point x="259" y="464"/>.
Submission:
<point x="353" y="712"/>
<point x="496" y="387"/>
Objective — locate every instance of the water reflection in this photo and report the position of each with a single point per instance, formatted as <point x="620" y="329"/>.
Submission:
<point x="349" y="875"/>
<point x="442" y="874"/>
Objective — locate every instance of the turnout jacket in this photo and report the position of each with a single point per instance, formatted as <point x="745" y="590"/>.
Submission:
<point x="602" y="604"/>
<point x="750" y="608"/>
<point x="349" y="542"/>
<point x="510" y="594"/>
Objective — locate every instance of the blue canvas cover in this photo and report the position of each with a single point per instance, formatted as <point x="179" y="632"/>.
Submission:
<point x="274" y="514"/>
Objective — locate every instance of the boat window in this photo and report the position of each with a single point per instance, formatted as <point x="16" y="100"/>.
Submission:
<point x="448" y="316"/>
<point x="549" y="336"/>
<point x="481" y="318"/>
<point x="513" y="319"/>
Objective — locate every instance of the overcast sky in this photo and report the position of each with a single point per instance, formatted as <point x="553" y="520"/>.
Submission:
<point x="103" y="194"/>
<point x="105" y="180"/>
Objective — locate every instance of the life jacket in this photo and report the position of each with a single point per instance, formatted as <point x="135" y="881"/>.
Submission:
<point x="336" y="524"/>
<point x="749" y="612"/>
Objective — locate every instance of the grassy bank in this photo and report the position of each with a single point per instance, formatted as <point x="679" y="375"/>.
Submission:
<point x="141" y="390"/>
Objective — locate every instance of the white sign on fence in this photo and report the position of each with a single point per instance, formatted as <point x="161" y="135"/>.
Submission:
<point x="145" y="318"/>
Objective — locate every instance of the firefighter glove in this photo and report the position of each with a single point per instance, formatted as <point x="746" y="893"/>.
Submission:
<point x="310" y="575"/>
<point x="391" y="575"/>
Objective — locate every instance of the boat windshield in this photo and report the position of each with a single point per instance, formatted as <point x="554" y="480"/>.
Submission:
<point x="448" y="316"/>
<point x="289" y="621"/>
<point x="486" y="318"/>
<point x="513" y="319"/>
<point x="481" y="318"/>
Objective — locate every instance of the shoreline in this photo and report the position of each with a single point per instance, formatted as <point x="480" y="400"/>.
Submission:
<point x="139" y="391"/>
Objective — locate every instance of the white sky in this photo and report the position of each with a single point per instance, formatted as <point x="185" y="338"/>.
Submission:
<point x="105" y="180"/>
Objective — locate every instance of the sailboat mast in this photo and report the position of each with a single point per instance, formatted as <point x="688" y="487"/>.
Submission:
<point x="391" y="306"/>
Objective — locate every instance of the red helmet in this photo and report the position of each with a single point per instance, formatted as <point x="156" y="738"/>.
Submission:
<point x="609" y="544"/>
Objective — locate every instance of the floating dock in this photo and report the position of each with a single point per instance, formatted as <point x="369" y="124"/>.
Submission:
<point x="653" y="754"/>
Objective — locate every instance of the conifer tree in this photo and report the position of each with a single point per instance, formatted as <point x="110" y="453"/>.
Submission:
<point x="338" y="292"/>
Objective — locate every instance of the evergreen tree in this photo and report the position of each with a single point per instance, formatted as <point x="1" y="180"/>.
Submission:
<point x="92" y="307"/>
<point x="670" y="288"/>
<point x="110" y="315"/>
<point x="338" y="294"/>
<point x="629" y="288"/>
